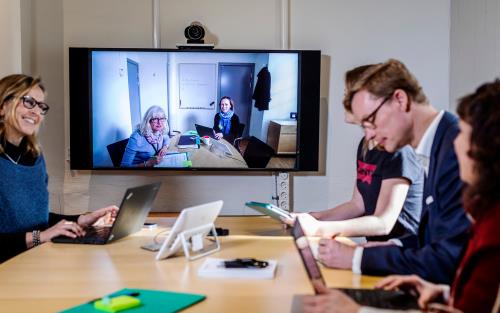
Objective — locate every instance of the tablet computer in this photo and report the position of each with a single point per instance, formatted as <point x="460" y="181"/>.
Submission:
<point x="269" y="209"/>
<point x="188" y="219"/>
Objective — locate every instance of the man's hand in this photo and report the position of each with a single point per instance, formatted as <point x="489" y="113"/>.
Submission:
<point x="335" y="254"/>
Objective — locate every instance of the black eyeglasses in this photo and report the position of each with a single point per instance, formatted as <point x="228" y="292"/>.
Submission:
<point x="158" y="119"/>
<point x="30" y="103"/>
<point x="369" y="121"/>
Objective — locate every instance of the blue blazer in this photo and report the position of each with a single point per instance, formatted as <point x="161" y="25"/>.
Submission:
<point x="435" y="251"/>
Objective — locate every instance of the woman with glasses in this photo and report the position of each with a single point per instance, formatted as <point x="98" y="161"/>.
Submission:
<point x="149" y="142"/>
<point x="476" y="286"/>
<point x="226" y="122"/>
<point x="387" y="197"/>
<point x="25" y="220"/>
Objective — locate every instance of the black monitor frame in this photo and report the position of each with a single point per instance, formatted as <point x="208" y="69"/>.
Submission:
<point x="308" y="108"/>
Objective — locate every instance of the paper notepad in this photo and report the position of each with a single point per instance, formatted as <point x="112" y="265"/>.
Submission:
<point x="152" y="301"/>
<point x="175" y="160"/>
<point x="214" y="268"/>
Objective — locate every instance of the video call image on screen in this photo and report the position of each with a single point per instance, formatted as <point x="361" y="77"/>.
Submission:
<point x="156" y="109"/>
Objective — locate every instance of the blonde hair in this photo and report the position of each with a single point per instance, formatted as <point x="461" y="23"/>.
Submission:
<point x="13" y="88"/>
<point x="351" y="78"/>
<point x="382" y="79"/>
<point x="153" y="112"/>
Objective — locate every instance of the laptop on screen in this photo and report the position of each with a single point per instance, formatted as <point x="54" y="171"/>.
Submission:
<point x="204" y="131"/>
<point x="384" y="299"/>
<point x="134" y="210"/>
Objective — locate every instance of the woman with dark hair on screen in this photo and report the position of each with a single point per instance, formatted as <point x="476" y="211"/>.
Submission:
<point x="476" y="287"/>
<point x="226" y="122"/>
<point x="25" y="221"/>
<point x="149" y="142"/>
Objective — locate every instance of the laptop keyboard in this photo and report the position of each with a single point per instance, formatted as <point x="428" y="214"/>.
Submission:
<point x="93" y="235"/>
<point x="383" y="299"/>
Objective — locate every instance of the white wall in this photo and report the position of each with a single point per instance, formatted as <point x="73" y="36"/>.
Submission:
<point x="475" y="45"/>
<point x="349" y="33"/>
<point x="352" y="33"/>
<point x="10" y="37"/>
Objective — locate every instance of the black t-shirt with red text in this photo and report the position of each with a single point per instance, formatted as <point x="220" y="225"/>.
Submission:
<point x="375" y="166"/>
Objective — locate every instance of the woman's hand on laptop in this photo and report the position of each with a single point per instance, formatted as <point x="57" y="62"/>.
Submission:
<point x="65" y="228"/>
<point x="331" y="301"/>
<point x="426" y="291"/>
<point x="102" y="217"/>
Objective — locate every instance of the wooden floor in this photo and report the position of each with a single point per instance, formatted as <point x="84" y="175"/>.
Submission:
<point x="282" y="162"/>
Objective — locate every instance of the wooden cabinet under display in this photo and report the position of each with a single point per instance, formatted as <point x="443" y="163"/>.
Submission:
<point x="282" y="136"/>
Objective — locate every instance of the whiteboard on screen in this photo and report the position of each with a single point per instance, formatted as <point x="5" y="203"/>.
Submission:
<point x="197" y="86"/>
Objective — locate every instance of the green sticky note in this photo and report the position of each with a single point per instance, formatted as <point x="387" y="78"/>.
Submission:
<point x="117" y="304"/>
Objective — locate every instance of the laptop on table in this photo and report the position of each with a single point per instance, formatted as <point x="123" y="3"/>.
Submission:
<point x="204" y="131"/>
<point x="134" y="210"/>
<point x="384" y="299"/>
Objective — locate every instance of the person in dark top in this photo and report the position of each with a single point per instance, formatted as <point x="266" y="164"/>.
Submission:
<point x="226" y="122"/>
<point x="476" y="285"/>
<point x="386" y="200"/>
<point x="25" y="220"/>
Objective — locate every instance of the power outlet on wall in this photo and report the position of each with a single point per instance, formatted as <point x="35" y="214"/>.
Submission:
<point x="283" y="190"/>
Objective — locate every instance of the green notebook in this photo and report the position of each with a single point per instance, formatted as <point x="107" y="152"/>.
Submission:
<point x="152" y="301"/>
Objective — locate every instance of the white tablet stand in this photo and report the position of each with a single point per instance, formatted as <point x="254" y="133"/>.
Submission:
<point x="193" y="241"/>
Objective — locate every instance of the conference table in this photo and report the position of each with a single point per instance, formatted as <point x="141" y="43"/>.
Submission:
<point x="207" y="156"/>
<point x="53" y="277"/>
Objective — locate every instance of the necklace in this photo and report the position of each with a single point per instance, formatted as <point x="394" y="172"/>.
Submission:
<point x="12" y="160"/>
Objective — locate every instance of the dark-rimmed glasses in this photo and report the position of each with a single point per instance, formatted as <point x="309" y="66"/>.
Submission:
<point x="158" y="119"/>
<point x="369" y="121"/>
<point x="30" y="103"/>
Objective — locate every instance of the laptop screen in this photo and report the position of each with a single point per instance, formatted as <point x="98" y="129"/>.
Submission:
<point x="204" y="131"/>
<point x="306" y="254"/>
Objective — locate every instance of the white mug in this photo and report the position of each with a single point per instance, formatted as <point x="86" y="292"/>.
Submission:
<point x="206" y="140"/>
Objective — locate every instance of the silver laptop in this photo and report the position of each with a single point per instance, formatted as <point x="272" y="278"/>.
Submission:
<point x="134" y="210"/>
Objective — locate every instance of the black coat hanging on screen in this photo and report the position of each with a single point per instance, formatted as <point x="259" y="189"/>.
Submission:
<point x="262" y="92"/>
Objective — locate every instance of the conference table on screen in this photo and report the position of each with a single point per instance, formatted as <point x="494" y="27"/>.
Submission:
<point x="203" y="157"/>
<point x="53" y="277"/>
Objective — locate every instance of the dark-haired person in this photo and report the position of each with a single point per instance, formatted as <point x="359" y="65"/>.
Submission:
<point x="476" y="286"/>
<point x="390" y="105"/>
<point x="25" y="220"/>
<point x="387" y="198"/>
<point x="226" y="122"/>
<point x="149" y="142"/>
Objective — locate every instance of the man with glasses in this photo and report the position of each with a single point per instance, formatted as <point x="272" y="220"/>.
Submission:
<point x="393" y="111"/>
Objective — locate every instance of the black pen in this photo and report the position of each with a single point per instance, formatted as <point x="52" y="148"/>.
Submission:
<point x="131" y="294"/>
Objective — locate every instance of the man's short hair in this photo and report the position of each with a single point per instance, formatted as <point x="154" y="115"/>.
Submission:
<point x="382" y="80"/>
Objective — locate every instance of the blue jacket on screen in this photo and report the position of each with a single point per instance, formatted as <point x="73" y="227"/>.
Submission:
<point x="435" y="251"/>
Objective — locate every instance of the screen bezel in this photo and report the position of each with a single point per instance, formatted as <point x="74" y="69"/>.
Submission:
<point x="80" y="95"/>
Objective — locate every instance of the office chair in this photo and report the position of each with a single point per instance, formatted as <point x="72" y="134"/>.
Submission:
<point x="241" y="129"/>
<point x="116" y="151"/>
